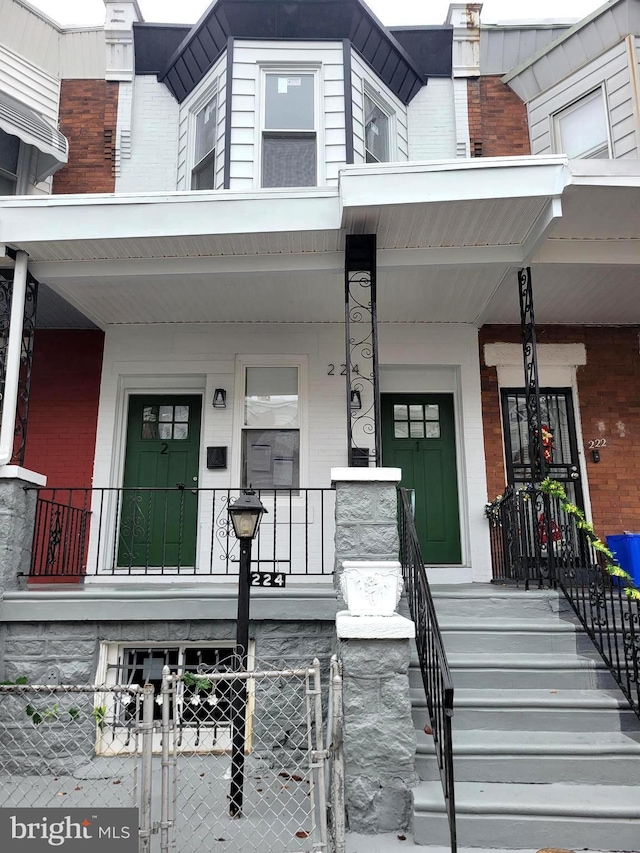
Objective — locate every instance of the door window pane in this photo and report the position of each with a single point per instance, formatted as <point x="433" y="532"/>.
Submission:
<point x="582" y="128"/>
<point x="401" y="429"/>
<point x="289" y="102"/>
<point x="417" y="429"/>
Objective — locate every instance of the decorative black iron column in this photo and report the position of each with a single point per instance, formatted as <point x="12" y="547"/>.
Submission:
<point x="531" y="383"/>
<point x="26" y="354"/>
<point x="364" y="436"/>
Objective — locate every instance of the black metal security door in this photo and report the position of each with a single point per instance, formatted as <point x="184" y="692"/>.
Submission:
<point x="558" y="439"/>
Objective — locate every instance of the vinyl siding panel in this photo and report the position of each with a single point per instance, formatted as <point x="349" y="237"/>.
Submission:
<point x="217" y="77"/>
<point x="83" y="54"/>
<point x="362" y="75"/>
<point x="248" y="60"/>
<point x="612" y="71"/>
<point x="504" y="48"/>
<point x="28" y="83"/>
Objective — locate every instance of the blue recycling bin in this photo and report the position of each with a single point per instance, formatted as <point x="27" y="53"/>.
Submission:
<point x="626" y="549"/>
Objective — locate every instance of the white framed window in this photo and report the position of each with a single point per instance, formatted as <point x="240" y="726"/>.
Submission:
<point x="203" y="709"/>
<point x="289" y="128"/>
<point x="378" y="123"/>
<point x="581" y="130"/>
<point x="205" y="122"/>
<point x="9" y="158"/>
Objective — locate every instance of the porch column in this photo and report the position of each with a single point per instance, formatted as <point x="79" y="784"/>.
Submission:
<point x="531" y="382"/>
<point x="364" y="423"/>
<point x="379" y="735"/>
<point x="18" y="495"/>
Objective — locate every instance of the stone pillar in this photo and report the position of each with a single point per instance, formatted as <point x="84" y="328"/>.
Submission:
<point x="366" y="514"/>
<point x="379" y="735"/>
<point x="17" y="518"/>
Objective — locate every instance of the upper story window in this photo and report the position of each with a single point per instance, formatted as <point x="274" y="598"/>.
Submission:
<point x="377" y="129"/>
<point x="9" y="153"/>
<point x="289" y="130"/>
<point x="203" y="172"/>
<point x="582" y="129"/>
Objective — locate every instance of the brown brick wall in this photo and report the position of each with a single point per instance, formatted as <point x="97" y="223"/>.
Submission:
<point x="497" y="119"/>
<point x="88" y="118"/>
<point x="609" y="396"/>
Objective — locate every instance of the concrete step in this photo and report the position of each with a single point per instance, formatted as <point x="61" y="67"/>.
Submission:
<point x="534" y="636"/>
<point x="595" y="817"/>
<point x="565" y="671"/>
<point x="535" y="710"/>
<point x="611" y="758"/>
<point x="479" y="600"/>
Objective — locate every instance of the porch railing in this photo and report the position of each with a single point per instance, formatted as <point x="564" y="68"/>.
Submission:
<point x="534" y="539"/>
<point x="178" y="531"/>
<point x="436" y="676"/>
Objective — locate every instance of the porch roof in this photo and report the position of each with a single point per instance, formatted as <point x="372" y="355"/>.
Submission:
<point x="450" y="234"/>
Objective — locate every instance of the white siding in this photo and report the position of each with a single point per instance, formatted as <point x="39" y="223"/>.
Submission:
<point x="248" y="58"/>
<point x="83" y="54"/>
<point x="29" y="84"/>
<point x="72" y="54"/>
<point x="217" y="77"/>
<point x="148" y="161"/>
<point x="361" y="74"/>
<point x="504" y="48"/>
<point x="611" y="69"/>
<point x="418" y="357"/>
<point x="431" y="122"/>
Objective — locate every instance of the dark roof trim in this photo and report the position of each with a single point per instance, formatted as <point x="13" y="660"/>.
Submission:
<point x="294" y="20"/>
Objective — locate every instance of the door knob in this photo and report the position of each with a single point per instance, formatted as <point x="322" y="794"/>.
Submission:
<point x="574" y="475"/>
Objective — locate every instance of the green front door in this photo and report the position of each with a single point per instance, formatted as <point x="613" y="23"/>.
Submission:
<point x="418" y="436"/>
<point x="158" y="526"/>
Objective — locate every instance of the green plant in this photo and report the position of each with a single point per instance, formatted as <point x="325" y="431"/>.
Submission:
<point x="197" y="681"/>
<point x="99" y="714"/>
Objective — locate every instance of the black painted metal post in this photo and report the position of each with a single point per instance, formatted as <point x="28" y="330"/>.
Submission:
<point x="361" y="351"/>
<point x="538" y="469"/>
<point x="239" y="704"/>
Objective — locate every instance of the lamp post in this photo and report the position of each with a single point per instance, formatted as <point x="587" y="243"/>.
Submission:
<point x="245" y="513"/>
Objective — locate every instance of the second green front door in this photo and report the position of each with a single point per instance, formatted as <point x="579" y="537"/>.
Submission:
<point x="418" y="436"/>
<point x="159" y="503"/>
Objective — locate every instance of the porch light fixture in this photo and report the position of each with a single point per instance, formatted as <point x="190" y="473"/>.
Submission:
<point x="220" y="398"/>
<point x="246" y="513"/>
<point x="356" y="400"/>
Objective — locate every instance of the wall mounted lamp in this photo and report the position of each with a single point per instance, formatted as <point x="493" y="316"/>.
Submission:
<point x="220" y="398"/>
<point x="356" y="400"/>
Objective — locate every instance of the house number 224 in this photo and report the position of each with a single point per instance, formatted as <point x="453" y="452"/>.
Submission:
<point x="331" y="370"/>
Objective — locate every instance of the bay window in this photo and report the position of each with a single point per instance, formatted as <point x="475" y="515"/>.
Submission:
<point x="204" y="171"/>
<point x="581" y="130"/>
<point x="377" y="126"/>
<point x="289" y="131"/>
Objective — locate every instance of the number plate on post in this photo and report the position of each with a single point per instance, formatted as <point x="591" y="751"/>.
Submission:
<point x="276" y="579"/>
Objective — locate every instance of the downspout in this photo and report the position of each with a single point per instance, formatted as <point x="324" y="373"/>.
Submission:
<point x="14" y="352"/>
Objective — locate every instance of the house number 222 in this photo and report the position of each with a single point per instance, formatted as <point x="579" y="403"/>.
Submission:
<point x="597" y="442"/>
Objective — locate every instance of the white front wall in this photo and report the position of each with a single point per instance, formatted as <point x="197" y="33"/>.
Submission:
<point x="215" y="80"/>
<point x="199" y="358"/>
<point x="431" y="122"/>
<point x="147" y="137"/>
<point x="612" y="70"/>
<point x="362" y="76"/>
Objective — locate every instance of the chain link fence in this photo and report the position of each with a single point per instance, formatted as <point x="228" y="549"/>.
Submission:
<point x="173" y="755"/>
<point x="50" y="746"/>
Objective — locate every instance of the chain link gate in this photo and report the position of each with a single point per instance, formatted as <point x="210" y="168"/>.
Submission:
<point x="284" y="802"/>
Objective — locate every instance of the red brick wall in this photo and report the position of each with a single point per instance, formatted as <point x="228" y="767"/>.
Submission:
<point x="63" y="408"/>
<point x="497" y="119"/>
<point x="609" y="396"/>
<point x="88" y="118"/>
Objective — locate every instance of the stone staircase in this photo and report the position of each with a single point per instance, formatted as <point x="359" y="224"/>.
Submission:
<point x="546" y="748"/>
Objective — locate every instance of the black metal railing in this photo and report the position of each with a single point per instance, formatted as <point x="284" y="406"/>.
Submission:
<point x="148" y="531"/>
<point x="533" y="538"/>
<point x="436" y="676"/>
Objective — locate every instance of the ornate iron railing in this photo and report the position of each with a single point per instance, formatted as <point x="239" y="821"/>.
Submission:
<point x="436" y="676"/>
<point x="179" y="531"/>
<point x="534" y="539"/>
